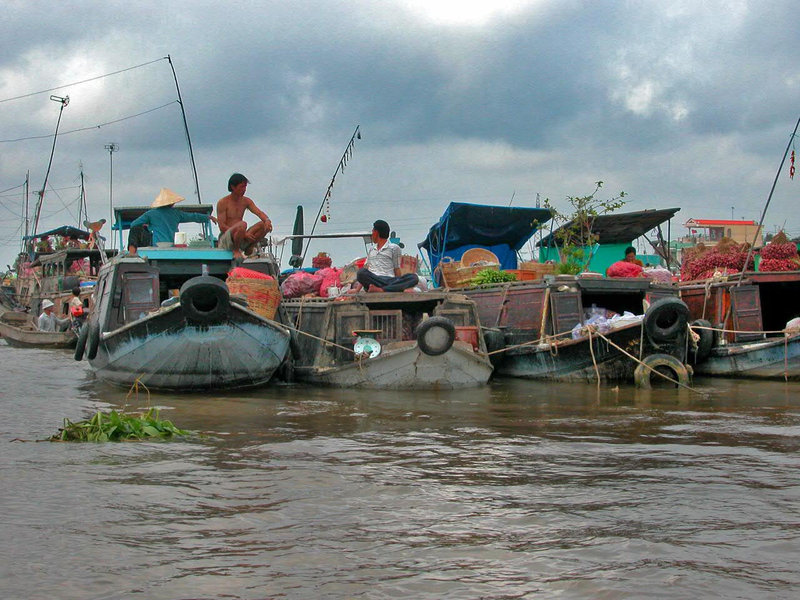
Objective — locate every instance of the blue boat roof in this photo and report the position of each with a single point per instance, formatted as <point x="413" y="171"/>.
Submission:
<point x="64" y="230"/>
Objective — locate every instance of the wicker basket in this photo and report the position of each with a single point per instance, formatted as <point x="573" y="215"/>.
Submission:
<point x="539" y="269"/>
<point x="263" y="295"/>
<point x="454" y="275"/>
<point x="476" y="255"/>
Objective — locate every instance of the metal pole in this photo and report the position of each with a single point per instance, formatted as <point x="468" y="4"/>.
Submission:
<point x="64" y="102"/>
<point x="112" y="147"/>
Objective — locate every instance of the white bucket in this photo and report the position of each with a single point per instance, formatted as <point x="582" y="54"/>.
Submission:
<point x="180" y="238"/>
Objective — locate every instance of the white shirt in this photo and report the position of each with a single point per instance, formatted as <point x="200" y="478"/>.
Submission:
<point x="51" y="322"/>
<point x="383" y="262"/>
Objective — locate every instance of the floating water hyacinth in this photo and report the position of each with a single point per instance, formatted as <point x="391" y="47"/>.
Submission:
<point x="117" y="427"/>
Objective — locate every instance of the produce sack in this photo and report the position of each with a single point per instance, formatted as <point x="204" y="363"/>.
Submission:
<point x="623" y="268"/>
<point x="301" y="283"/>
<point x="330" y="278"/>
<point x="659" y="274"/>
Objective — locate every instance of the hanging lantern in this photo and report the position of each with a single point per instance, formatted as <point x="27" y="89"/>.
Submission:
<point x="791" y="168"/>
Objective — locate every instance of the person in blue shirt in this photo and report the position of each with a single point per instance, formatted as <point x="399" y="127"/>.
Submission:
<point x="162" y="221"/>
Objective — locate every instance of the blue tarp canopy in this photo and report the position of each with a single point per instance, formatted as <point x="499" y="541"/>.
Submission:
<point x="64" y="231"/>
<point x="501" y="229"/>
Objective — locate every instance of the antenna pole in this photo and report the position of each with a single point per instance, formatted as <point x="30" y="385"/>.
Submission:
<point x="112" y="147"/>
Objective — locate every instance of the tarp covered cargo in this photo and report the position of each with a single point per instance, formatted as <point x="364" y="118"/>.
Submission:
<point x="501" y="229"/>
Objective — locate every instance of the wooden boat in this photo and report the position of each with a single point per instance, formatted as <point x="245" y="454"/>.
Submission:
<point x="166" y="318"/>
<point x="537" y="329"/>
<point x="749" y="316"/>
<point x="19" y="330"/>
<point x="425" y="340"/>
<point x="544" y="327"/>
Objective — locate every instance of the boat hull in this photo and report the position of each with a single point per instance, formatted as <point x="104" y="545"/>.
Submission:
<point x="771" y="359"/>
<point x="27" y="337"/>
<point x="167" y="353"/>
<point x="571" y="360"/>
<point x="406" y="368"/>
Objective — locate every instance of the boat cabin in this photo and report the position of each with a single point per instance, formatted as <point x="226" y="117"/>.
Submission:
<point x="762" y="302"/>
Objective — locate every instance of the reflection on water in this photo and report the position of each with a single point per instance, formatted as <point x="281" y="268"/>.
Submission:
<point x="515" y="490"/>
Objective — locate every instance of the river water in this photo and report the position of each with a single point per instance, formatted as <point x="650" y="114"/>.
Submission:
<point x="516" y="490"/>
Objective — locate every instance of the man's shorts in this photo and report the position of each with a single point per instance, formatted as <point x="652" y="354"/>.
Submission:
<point x="226" y="240"/>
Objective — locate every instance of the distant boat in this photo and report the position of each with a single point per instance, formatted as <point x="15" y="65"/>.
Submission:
<point x="166" y="318"/>
<point x="19" y="331"/>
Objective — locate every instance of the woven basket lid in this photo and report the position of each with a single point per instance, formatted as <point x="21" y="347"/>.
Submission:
<point x="476" y="255"/>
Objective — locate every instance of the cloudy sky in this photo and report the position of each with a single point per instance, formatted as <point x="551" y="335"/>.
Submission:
<point x="678" y="103"/>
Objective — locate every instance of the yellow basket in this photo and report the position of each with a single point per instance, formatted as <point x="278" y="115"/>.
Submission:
<point x="454" y="275"/>
<point x="263" y="295"/>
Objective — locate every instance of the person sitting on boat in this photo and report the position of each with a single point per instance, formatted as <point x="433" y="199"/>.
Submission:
<point x="234" y="233"/>
<point x="630" y="256"/>
<point x="163" y="220"/>
<point x="77" y="312"/>
<point x="48" y="321"/>
<point x="381" y="272"/>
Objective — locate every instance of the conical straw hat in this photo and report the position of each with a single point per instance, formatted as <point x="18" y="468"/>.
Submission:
<point x="166" y="197"/>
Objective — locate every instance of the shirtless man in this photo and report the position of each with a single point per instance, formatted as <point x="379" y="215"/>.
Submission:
<point x="230" y="217"/>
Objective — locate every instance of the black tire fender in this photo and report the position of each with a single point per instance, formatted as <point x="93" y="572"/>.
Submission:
<point x="642" y="376"/>
<point x="205" y="300"/>
<point x="93" y="340"/>
<point x="435" y="335"/>
<point x="665" y="319"/>
<point x="705" y="343"/>
<point x="80" y="347"/>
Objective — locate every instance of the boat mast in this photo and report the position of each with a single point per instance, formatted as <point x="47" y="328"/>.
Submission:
<point x="64" y="102"/>
<point x="766" y="206"/>
<point x="186" y="129"/>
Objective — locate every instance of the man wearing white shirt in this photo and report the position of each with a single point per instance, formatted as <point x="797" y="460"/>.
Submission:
<point x="48" y="321"/>
<point x="381" y="272"/>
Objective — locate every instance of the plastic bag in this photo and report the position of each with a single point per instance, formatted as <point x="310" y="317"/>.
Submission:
<point x="623" y="268"/>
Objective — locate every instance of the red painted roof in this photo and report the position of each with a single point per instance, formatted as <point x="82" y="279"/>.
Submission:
<point x="712" y="222"/>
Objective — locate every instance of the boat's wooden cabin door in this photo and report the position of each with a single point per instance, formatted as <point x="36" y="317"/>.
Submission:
<point x="566" y="310"/>
<point x="746" y="311"/>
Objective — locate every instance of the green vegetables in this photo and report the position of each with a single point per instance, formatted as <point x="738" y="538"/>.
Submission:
<point x="117" y="426"/>
<point x="490" y="276"/>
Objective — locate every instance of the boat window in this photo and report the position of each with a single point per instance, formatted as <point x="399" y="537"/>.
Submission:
<point x="139" y="291"/>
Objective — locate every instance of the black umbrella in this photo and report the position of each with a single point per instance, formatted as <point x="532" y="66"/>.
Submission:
<point x="296" y="260"/>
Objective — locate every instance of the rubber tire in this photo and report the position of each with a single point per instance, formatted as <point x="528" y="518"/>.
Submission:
<point x="93" y="341"/>
<point x="705" y="343"/>
<point x="80" y="347"/>
<point x="642" y="375"/>
<point x="430" y="325"/>
<point x="205" y="300"/>
<point x="665" y="319"/>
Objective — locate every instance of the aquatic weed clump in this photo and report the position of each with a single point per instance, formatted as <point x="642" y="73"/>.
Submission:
<point x="118" y="427"/>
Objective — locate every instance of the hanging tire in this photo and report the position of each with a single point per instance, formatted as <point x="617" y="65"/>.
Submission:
<point x="93" y="340"/>
<point x="705" y="343"/>
<point x="205" y="300"/>
<point x="80" y="347"/>
<point x="663" y="363"/>
<point x="665" y="319"/>
<point x="436" y="335"/>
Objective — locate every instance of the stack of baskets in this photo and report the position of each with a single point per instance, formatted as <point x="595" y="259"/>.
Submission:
<point x="460" y="273"/>
<point x="261" y="291"/>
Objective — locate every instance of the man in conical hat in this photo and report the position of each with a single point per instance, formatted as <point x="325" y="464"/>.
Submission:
<point x="163" y="220"/>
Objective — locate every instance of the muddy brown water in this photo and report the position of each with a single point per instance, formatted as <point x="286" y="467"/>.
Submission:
<point x="516" y="490"/>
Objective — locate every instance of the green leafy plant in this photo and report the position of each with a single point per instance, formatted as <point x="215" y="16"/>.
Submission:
<point x="116" y="427"/>
<point x="574" y="236"/>
<point x="490" y="276"/>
